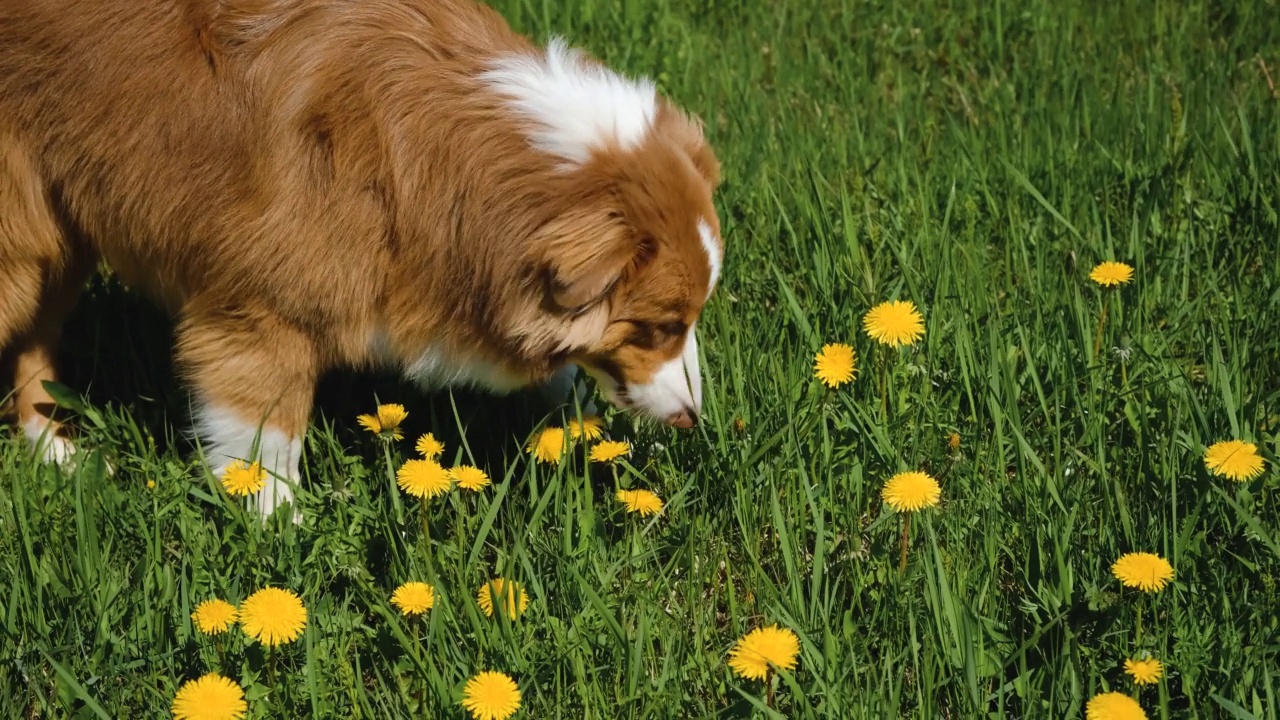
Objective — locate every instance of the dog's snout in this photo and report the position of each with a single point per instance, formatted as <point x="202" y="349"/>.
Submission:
<point x="685" y="419"/>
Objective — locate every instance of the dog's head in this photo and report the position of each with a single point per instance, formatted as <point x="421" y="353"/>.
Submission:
<point x="633" y="263"/>
<point x="626" y="268"/>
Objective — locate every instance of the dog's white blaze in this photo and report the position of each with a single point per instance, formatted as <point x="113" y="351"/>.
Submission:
<point x="49" y="447"/>
<point x="714" y="253"/>
<point x="226" y="437"/>
<point x="574" y="107"/>
<point x="676" y="386"/>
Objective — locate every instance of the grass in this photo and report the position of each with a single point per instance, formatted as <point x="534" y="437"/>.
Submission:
<point x="975" y="158"/>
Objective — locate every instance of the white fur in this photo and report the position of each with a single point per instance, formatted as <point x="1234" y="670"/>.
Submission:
<point x="676" y="386"/>
<point x="227" y="437"/>
<point x="714" y="254"/>
<point x="574" y="108"/>
<point x="50" y="447"/>
<point x="435" y="368"/>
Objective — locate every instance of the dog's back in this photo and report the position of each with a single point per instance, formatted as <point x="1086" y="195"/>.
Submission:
<point x="309" y="184"/>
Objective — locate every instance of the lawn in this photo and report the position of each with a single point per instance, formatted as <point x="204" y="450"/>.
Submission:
<point x="975" y="158"/>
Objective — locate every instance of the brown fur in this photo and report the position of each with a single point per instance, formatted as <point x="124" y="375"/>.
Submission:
<point x="294" y="178"/>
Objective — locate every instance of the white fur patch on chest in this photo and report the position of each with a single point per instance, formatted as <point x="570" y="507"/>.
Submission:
<point x="435" y="369"/>
<point x="574" y="107"/>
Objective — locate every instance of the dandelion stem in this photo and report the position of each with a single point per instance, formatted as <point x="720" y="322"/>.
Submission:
<point x="768" y="687"/>
<point x="906" y="538"/>
<point x="391" y="480"/>
<point x="1140" y="604"/>
<point x="1102" y="321"/>
<point x="884" y="392"/>
<point x="271" y="667"/>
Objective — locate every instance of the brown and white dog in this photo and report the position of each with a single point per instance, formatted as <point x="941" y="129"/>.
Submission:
<point x="315" y="184"/>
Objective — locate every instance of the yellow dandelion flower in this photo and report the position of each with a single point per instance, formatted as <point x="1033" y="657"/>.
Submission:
<point x="1113" y="706"/>
<point x="835" y="364"/>
<point x="370" y="423"/>
<point x="1234" y="459"/>
<point x="1111" y="273"/>
<point x="414" y="598"/>
<point x="911" y="491"/>
<point x="1144" y="672"/>
<point x="496" y="588"/>
<point x="423" y="478"/>
<point x="210" y="697"/>
<point x="1145" y="571"/>
<point x="242" y="479"/>
<point x="640" y="501"/>
<point x="896" y="322"/>
<point x="151" y="484"/>
<point x="214" y="616"/>
<point x="548" y="446"/>
<point x="386" y="422"/>
<point x="429" y="447"/>
<point x="591" y="428"/>
<point x="762" y="648"/>
<point x="953" y="441"/>
<point x="609" y="450"/>
<point x="470" y="478"/>
<point x="273" y="616"/>
<point x="491" y="696"/>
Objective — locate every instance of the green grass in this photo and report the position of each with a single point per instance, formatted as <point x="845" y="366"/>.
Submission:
<point x="975" y="157"/>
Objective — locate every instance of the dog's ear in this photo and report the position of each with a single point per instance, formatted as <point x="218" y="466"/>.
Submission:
<point x="586" y="251"/>
<point x="687" y="131"/>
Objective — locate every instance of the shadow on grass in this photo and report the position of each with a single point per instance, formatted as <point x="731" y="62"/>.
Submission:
<point x="117" y="350"/>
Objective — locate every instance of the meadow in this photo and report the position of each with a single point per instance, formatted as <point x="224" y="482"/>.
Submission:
<point x="978" y="159"/>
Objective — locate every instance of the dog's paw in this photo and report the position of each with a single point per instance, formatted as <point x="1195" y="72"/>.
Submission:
<point x="54" y="449"/>
<point x="277" y="492"/>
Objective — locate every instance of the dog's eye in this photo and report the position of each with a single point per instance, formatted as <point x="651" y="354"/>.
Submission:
<point x="673" y="329"/>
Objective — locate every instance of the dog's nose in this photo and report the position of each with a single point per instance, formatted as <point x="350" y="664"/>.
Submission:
<point x="684" y="419"/>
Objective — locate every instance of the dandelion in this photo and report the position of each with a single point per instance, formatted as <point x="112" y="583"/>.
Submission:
<point x="953" y="441"/>
<point x="906" y="493"/>
<point x="242" y="479"/>
<point x="414" y="598"/>
<point x="1144" y="672"/>
<point x="835" y="364"/>
<point x="548" y="446"/>
<point x="762" y="649"/>
<point x="495" y="588"/>
<point x="591" y="428"/>
<point x="911" y="491"/>
<point x="896" y="322"/>
<point x="386" y="422"/>
<point x="151" y="484"/>
<point x="1108" y="274"/>
<point x="210" y="697"/>
<point x="491" y="695"/>
<point x="429" y="447"/>
<point x="273" y="616"/>
<point x="609" y="450"/>
<point x="1144" y="571"/>
<point x="1234" y="459"/>
<point x="1113" y="706"/>
<point x="470" y="478"/>
<point x="423" y="478"/>
<point x="643" y="502"/>
<point x="213" y="617"/>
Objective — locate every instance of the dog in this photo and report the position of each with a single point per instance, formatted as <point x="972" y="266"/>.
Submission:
<point x="308" y="185"/>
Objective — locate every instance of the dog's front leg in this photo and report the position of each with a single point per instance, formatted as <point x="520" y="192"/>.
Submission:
<point x="253" y="377"/>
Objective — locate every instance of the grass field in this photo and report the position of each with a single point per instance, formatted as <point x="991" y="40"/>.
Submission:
<point x="976" y="158"/>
